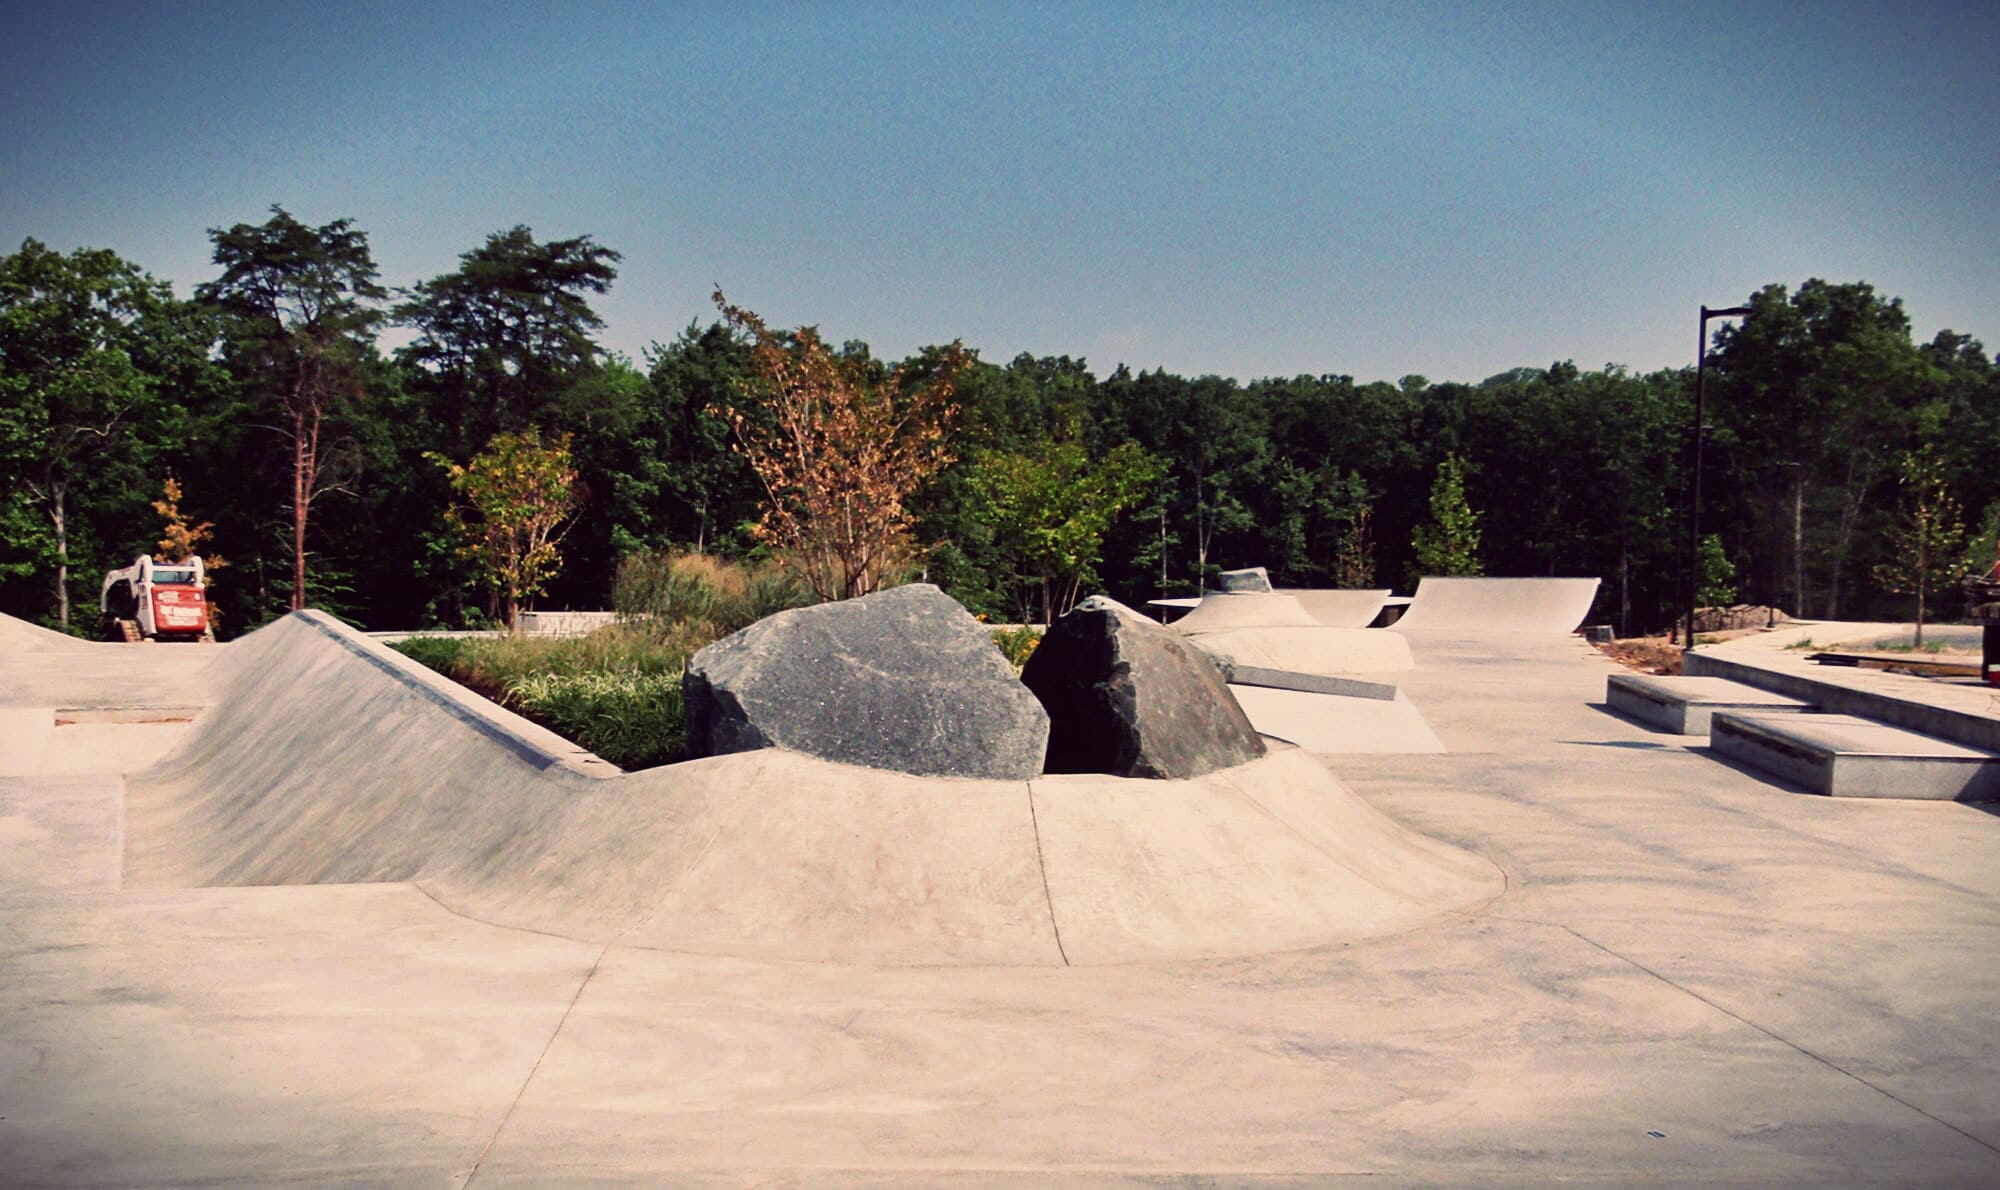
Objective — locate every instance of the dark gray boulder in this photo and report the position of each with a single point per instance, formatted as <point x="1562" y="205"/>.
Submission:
<point x="1130" y="697"/>
<point x="1252" y="580"/>
<point x="904" y="679"/>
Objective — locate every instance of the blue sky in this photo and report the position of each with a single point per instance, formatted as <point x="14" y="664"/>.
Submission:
<point x="1249" y="190"/>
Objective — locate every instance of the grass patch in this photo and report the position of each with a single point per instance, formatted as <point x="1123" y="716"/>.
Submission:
<point x="1900" y="645"/>
<point x="633" y="720"/>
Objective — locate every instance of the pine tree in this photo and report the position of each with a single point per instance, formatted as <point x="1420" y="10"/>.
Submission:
<point x="1449" y="545"/>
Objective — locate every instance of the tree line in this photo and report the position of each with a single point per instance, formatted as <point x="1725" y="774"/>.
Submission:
<point x="332" y="474"/>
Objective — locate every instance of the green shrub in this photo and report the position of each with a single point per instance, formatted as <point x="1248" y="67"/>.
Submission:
<point x="1017" y="644"/>
<point x="616" y="692"/>
<point x="437" y="652"/>
<point x="634" y="720"/>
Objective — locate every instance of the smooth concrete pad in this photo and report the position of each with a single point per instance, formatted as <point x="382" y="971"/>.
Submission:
<point x="1329" y="723"/>
<point x="1694" y="977"/>
<point x="1683" y="705"/>
<point x="1842" y="756"/>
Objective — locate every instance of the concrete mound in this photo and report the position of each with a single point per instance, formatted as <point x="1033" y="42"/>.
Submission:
<point x="1480" y="607"/>
<point x="329" y="758"/>
<point x="1128" y="697"/>
<point x="50" y="669"/>
<point x="19" y="635"/>
<point x="904" y="680"/>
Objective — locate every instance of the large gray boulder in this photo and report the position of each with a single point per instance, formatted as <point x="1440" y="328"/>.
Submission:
<point x="1129" y="697"/>
<point x="1251" y="580"/>
<point x="904" y="679"/>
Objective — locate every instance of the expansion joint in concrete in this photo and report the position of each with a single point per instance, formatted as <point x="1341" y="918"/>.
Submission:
<point x="1780" y="1038"/>
<point x="1042" y="863"/>
<point x="472" y="1173"/>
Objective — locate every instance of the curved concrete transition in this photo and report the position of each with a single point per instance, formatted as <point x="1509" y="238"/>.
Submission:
<point x="1337" y="607"/>
<point x="1319" y="650"/>
<point x="330" y="759"/>
<point x="1476" y="607"/>
<point x="1223" y="610"/>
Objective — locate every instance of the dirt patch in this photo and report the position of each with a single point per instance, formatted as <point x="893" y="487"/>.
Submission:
<point x="1660" y="654"/>
<point x="1644" y="654"/>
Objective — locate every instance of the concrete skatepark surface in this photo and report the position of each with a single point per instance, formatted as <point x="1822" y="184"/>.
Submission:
<point x="1693" y="976"/>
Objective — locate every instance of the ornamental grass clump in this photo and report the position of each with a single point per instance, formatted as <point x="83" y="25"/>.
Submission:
<point x="634" y="720"/>
<point x="616" y="692"/>
<point x="664" y="593"/>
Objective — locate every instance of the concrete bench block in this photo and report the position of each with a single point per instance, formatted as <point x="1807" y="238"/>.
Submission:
<point x="1683" y="705"/>
<point x="1842" y="756"/>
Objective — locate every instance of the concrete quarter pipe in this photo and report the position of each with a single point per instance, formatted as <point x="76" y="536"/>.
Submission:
<point x="328" y="758"/>
<point x="1339" y="608"/>
<point x="1498" y="606"/>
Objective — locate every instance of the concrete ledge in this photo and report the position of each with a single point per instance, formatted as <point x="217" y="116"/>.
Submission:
<point x="1843" y="756"/>
<point x="1837" y="697"/>
<point x="1285" y="679"/>
<point x="528" y="740"/>
<point x="1683" y="705"/>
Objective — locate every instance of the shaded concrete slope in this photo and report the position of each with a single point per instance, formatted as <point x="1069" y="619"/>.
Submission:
<point x="329" y="759"/>
<point x="1477" y="607"/>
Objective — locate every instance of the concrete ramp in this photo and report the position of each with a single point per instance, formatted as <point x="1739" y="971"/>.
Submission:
<point x="1220" y="611"/>
<point x="1334" y="723"/>
<point x="1477" y="607"/>
<point x="18" y="635"/>
<point x="1315" y="650"/>
<point x="331" y="759"/>
<point x="1340" y="608"/>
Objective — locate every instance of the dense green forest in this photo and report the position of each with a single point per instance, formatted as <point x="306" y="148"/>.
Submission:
<point x="263" y="393"/>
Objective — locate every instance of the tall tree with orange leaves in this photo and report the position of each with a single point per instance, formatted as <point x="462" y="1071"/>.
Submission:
<point x="839" y="451"/>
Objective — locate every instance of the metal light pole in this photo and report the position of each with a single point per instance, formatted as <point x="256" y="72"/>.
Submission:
<point x="1694" y="487"/>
